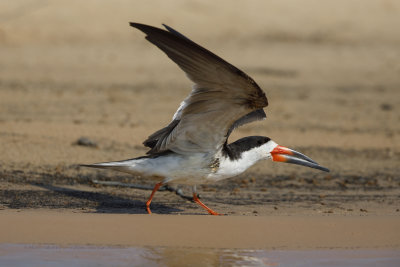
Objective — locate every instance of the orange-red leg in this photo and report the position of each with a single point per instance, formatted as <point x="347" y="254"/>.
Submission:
<point x="197" y="200"/>
<point x="156" y="187"/>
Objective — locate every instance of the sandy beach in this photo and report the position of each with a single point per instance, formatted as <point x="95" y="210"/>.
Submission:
<point x="331" y="73"/>
<point x="230" y="232"/>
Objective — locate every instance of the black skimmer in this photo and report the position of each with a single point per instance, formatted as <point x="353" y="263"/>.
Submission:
<point x="193" y="148"/>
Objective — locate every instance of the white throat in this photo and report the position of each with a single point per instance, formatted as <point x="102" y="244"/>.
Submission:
<point x="232" y="167"/>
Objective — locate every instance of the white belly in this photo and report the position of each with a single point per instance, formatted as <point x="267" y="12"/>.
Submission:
<point x="173" y="168"/>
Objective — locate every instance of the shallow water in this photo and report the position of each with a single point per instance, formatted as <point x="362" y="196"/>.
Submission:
<point x="51" y="255"/>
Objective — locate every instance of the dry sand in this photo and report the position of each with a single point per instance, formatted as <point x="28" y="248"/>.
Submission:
<point x="331" y="73"/>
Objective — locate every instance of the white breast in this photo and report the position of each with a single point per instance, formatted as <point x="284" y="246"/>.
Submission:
<point x="229" y="168"/>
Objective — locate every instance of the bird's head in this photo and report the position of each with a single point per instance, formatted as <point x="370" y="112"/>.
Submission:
<point x="254" y="148"/>
<point x="280" y="153"/>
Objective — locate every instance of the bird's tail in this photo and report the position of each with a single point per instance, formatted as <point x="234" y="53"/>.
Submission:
<point x="101" y="165"/>
<point x="107" y="165"/>
<point x="122" y="166"/>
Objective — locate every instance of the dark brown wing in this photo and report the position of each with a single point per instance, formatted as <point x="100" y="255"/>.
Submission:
<point x="221" y="96"/>
<point x="256" y="115"/>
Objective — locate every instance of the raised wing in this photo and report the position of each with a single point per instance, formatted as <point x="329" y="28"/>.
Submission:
<point x="221" y="98"/>
<point x="256" y="115"/>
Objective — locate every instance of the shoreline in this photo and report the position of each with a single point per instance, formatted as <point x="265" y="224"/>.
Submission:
<point x="297" y="232"/>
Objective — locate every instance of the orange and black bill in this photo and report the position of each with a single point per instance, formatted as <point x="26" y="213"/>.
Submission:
<point x="284" y="154"/>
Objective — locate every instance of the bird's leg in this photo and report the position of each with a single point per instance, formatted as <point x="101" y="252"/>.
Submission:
<point x="156" y="187"/>
<point x="197" y="200"/>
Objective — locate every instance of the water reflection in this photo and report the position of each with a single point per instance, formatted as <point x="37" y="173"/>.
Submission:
<point x="209" y="257"/>
<point x="47" y="255"/>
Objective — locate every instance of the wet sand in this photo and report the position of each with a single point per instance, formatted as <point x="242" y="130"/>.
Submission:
<point x="50" y="255"/>
<point x="234" y="232"/>
<point x="330" y="71"/>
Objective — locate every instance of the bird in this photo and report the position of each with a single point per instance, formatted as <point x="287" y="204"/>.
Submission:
<point x="193" y="148"/>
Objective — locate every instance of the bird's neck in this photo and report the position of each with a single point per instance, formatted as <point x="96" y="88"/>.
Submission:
<point x="232" y="166"/>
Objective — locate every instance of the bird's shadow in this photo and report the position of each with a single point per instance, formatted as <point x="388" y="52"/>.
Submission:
<point x="62" y="197"/>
